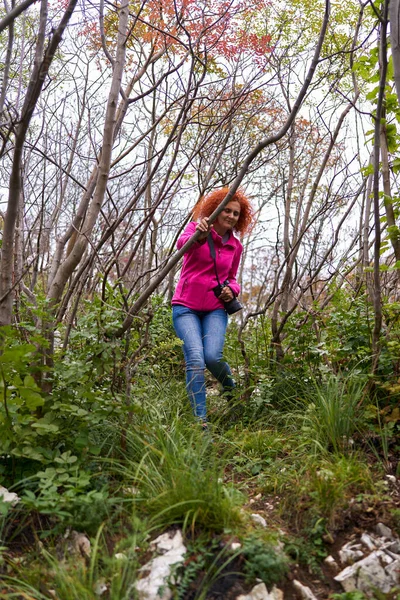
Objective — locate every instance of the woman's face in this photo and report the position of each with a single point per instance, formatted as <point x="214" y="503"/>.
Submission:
<point x="228" y="218"/>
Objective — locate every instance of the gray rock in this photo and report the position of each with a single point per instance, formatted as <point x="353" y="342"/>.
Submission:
<point x="235" y="546"/>
<point x="384" y="531"/>
<point x="369" y="573"/>
<point x="166" y="543"/>
<point x="303" y="591"/>
<point x="385" y="558"/>
<point x="100" y="587"/>
<point x="368" y="542"/>
<point x="153" y="586"/>
<point x="79" y="544"/>
<point x="259" y="520"/>
<point x="394" y="547"/>
<point x="332" y="564"/>
<point x="260" y="592"/>
<point x="393" y="570"/>
<point x="7" y="496"/>
<point x="350" y="553"/>
<point x="121" y="556"/>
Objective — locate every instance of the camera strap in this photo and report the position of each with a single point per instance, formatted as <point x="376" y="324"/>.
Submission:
<point x="212" y="252"/>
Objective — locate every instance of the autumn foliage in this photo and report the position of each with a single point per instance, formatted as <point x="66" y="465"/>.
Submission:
<point x="209" y="29"/>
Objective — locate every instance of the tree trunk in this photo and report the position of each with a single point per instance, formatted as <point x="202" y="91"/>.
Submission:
<point x="377" y="222"/>
<point x="40" y="70"/>
<point x="394" y="16"/>
<point x="72" y="260"/>
<point x="140" y="302"/>
<point x="388" y="200"/>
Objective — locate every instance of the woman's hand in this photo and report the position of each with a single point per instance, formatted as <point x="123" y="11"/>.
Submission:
<point x="226" y="294"/>
<point x="204" y="227"/>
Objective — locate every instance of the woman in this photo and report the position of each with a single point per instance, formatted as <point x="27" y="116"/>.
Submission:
<point x="199" y="316"/>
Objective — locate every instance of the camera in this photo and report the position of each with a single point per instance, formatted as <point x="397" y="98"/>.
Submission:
<point x="232" y="306"/>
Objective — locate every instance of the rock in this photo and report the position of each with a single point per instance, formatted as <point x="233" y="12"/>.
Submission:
<point x="235" y="546"/>
<point x="258" y="497"/>
<point x="331" y="563"/>
<point x="386" y="559"/>
<point x="164" y="542"/>
<point x="304" y="592"/>
<point x="131" y="491"/>
<point x="350" y="553"/>
<point x="259" y="519"/>
<point x="100" y="587"/>
<point x="7" y="496"/>
<point x="368" y="542"/>
<point x="275" y="594"/>
<point x="80" y="544"/>
<point x="369" y="573"/>
<point x="260" y="592"/>
<point x="391" y="478"/>
<point x="172" y="552"/>
<point x="393" y="570"/>
<point x="394" y="546"/>
<point x="384" y="531"/>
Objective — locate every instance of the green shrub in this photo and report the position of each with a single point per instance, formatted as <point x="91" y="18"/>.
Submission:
<point x="263" y="561"/>
<point x="333" y="412"/>
<point x="179" y="478"/>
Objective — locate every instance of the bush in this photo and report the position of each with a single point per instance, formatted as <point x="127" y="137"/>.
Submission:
<point x="263" y="561"/>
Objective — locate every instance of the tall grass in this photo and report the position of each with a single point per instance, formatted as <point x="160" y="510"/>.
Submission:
<point x="177" y="475"/>
<point x="334" y="412"/>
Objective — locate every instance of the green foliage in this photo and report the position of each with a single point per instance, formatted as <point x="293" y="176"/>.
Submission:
<point x="253" y="452"/>
<point x="21" y="428"/>
<point x="324" y="489"/>
<point x="378" y="595"/>
<point x="338" y="340"/>
<point x="396" y="519"/>
<point x="199" y="559"/>
<point x="349" y="596"/>
<point x="64" y="492"/>
<point x="74" y="578"/>
<point x="308" y="550"/>
<point x="179" y="478"/>
<point x="112" y="443"/>
<point x="333" y="412"/>
<point x="165" y="356"/>
<point x="263" y="561"/>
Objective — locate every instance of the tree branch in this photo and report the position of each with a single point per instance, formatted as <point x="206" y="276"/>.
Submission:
<point x="236" y="183"/>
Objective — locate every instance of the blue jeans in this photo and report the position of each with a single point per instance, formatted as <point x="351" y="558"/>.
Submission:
<point x="203" y="336"/>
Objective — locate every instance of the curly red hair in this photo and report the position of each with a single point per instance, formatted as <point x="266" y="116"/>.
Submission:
<point x="207" y="204"/>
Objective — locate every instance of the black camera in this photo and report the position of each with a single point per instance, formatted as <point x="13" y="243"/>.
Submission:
<point x="232" y="306"/>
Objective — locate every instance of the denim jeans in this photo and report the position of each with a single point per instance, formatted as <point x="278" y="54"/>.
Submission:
<point x="203" y="336"/>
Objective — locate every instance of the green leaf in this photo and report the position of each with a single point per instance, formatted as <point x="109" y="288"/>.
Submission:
<point x="368" y="170"/>
<point x="66" y="458"/>
<point x="44" y="428"/>
<point x="373" y="94"/>
<point x="32" y="399"/>
<point x="29" y="382"/>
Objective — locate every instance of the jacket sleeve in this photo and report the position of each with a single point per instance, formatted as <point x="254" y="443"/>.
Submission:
<point x="233" y="284"/>
<point x="187" y="234"/>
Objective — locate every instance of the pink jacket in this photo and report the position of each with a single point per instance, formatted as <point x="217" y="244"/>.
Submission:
<point x="197" y="278"/>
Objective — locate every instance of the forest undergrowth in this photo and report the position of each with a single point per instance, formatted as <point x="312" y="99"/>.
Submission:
<point x="105" y="445"/>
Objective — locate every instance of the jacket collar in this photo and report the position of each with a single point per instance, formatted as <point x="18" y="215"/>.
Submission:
<point x="218" y="238"/>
